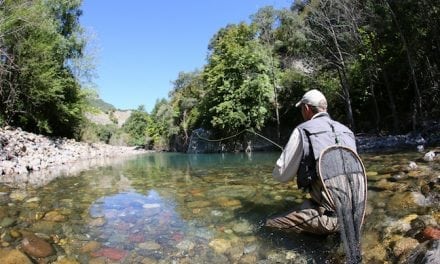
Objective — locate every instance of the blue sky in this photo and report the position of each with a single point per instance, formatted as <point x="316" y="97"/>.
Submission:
<point x="142" y="45"/>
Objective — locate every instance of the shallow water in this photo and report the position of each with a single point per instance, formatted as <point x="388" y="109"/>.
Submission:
<point x="203" y="208"/>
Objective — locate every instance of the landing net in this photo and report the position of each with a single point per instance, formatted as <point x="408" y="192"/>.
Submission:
<point x="344" y="178"/>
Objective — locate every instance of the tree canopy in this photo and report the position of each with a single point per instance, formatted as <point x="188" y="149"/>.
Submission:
<point x="38" y="91"/>
<point x="377" y="62"/>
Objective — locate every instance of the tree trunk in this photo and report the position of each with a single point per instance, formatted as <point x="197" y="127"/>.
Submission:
<point x="347" y="98"/>
<point x="343" y="79"/>
<point x="376" y="106"/>
<point x="277" y="112"/>
<point x="391" y="102"/>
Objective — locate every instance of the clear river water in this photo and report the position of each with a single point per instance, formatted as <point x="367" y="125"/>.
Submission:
<point x="209" y="208"/>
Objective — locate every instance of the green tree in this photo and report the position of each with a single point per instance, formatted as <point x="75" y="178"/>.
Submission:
<point x="265" y="21"/>
<point x="334" y="36"/>
<point x="184" y="98"/>
<point x="38" y="90"/>
<point x="163" y="124"/>
<point x="237" y="77"/>
<point x="136" y="127"/>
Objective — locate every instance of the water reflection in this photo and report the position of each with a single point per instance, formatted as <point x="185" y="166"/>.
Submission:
<point x="206" y="208"/>
<point x="128" y="219"/>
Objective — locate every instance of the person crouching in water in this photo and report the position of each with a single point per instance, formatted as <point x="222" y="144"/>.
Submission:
<point x="315" y="215"/>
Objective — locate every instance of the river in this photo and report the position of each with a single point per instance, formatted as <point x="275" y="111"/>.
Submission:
<point x="208" y="208"/>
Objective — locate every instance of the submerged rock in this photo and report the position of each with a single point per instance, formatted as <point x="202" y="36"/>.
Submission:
<point x="220" y="245"/>
<point x="90" y="246"/>
<point x="429" y="156"/>
<point x="13" y="256"/>
<point x="426" y="253"/>
<point x="243" y="228"/>
<point x="36" y="247"/>
<point x="233" y="191"/>
<point x="406" y="201"/>
<point x="111" y="253"/>
<point x="404" y="245"/>
<point x="431" y="233"/>
<point x="54" y="216"/>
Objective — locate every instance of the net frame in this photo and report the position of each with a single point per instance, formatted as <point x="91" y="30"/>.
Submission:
<point x="350" y="226"/>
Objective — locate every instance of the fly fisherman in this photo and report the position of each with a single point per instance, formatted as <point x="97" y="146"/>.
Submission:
<point x="299" y="158"/>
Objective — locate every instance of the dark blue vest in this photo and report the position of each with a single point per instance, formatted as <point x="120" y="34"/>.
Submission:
<point x="318" y="134"/>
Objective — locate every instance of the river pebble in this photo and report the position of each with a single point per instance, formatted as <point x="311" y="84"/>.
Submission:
<point x="90" y="246"/>
<point x="404" y="245"/>
<point x="54" y="216"/>
<point x="431" y="233"/>
<point x="429" y="156"/>
<point x="115" y="254"/>
<point x="220" y="245"/>
<point x="36" y="247"/>
<point x="149" y="245"/>
<point x="13" y="256"/>
<point x="7" y="222"/>
<point x="23" y="153"/>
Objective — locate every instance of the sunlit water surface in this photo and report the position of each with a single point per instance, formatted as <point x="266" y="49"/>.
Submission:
<point x="198" y="208"/>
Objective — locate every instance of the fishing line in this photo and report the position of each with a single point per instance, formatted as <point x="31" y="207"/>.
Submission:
<point x="237" y="134"/>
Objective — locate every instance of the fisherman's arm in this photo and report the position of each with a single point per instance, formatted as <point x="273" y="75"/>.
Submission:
<point x="287" y="164"/>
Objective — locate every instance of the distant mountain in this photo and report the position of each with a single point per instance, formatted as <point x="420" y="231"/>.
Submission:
<point x="101" y="105"/>
<point x="106" y="113"/>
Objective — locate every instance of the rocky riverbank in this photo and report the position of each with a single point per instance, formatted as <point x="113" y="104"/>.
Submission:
<point x="36" y="160"/>
<point x="26" y="157"/>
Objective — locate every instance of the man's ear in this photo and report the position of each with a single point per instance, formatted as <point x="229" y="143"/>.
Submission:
<point x="307" y="107"/>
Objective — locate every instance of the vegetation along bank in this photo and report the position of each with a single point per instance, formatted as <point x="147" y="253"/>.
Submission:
<point x="378" y="62"/>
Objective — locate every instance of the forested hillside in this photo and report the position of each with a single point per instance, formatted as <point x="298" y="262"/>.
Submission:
<point x="376" y="61"/>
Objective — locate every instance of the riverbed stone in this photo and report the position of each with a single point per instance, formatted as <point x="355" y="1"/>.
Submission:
<point x="228" y="202"/>
<point x="185" y="245"/>
<point x="406" y="201"/>
<point x="13" y="256"/>
<point x="373" y="250"/>
<point x="399" y="226"/>
<point x="18" y="195"/>
<point x="115" y="254"/>
<point x="149" y="245"/>
<point x="416" y="173"/>
<point x="429" y="156"/>
<point x="220" y="245"/>
<point x="390" y="186"/>
<point x="431" y="233"/>
<point x="242" y="228"/>
<point x="198" y="204"/>
<point x="7" y="222"/>
<point x="248" y="259"/>
<point x="65" y="260"/>
<point x="33" y="200"/>
<point x="98" y="260"/>
<point x="97" y="222"/>
<point x="26" y="153"/>
<point x="36" y="247"/>
<point x="404" y="245"/>
<point x="45" y="227"/>
<point x="90" y="246"/>
<point x="233" y="191"/>
<point x="54" y="216"/>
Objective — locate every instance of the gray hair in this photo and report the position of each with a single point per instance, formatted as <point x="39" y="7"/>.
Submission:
<point x="321" y="107"/>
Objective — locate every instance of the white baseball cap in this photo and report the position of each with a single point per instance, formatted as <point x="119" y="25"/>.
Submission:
<point x="313" y="97"/>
